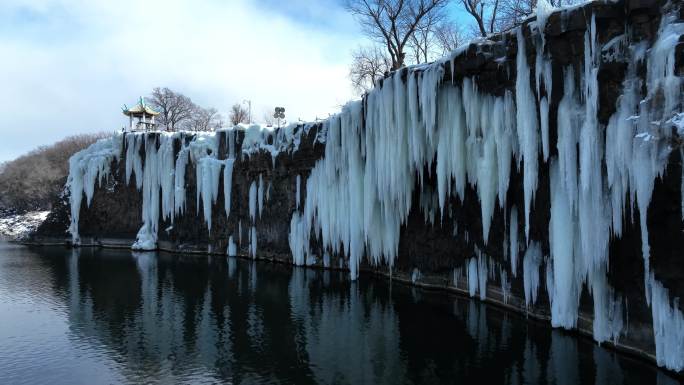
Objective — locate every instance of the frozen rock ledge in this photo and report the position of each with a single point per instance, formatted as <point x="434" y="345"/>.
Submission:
<point x="540" y="169"/>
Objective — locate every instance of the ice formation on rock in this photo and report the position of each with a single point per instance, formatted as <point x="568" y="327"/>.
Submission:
<point x="531" y="263"/>
<point x="232" y="248"/>
<point x="87" y="167"/>
<point x="159" y="171"/>
<point x="420" y="135"/>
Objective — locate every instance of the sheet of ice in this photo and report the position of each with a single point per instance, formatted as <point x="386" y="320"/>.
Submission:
<point x="482" y="271"/>
<point x="609" y="321"/>
<point x="562" y="230"/>
<point x="147" y="235"/>
<point x="527" y="128"/>
<point x="260" y="194"/>
<point x="473" y="281"/>
<point x="85" y="168"/>
<point x="228" y="184"/>
<point x="298" y="192"/>
<point x="252" y="242"/>
<point x="232" y="248"/>
<point x="668" y="327"/>
<point x="513" y="239"/>
<point x="208" y="175"/>
<point x="531" y="263"/>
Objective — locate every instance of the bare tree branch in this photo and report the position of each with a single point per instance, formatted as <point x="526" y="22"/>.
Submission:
<point x="205" y="119"/>
<point x="448" y="37"/>
<point x="368" y="65"/>
<point x="174" y="108"/>
<point x="238" y="114"/>
<point x="392" y="23"/>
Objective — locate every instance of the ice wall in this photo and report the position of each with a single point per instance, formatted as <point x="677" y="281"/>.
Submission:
<point x="156" y="163"/>
<point x="378" y="152"/>
<point x="435" y="134"/>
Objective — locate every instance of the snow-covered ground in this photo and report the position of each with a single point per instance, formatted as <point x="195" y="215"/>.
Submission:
<point x="18" y="226"/>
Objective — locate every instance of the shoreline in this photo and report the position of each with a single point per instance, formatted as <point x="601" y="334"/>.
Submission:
<point x="581" y="330"/>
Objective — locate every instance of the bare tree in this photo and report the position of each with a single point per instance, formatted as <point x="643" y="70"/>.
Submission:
<point x="205" y="119"/>
<point x="238" y="114"/>
<point x="368" y="65"/>
<point x="448" y="37"/>
<point x="484" y="12"/>
<point x="513" y="12"/>
<point x="422" y="42"/>
<point x="391" y="23"/>
<point x="174" y="108"/>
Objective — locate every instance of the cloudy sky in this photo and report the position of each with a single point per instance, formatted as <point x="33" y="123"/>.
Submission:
<point x="67" y="66"/>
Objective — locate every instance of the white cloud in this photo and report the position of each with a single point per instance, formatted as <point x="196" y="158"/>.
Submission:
<point x="67" y="66"/>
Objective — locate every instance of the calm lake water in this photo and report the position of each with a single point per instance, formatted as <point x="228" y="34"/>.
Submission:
<point x="103" y="317"/>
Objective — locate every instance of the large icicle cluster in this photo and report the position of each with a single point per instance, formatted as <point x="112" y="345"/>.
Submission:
<point x="158" y="170"/>
<point x="382" y="151"/>
<point x="85" y="168"/>
<point x="360" y="193"/>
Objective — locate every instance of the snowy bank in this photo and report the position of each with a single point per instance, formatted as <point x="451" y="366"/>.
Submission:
<point x="18" y="227"/>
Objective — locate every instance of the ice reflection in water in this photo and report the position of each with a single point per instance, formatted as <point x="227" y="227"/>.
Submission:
<point x="87" y="316"/>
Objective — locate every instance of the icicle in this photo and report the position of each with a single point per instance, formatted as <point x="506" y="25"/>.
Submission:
<point x="451" y="150"/>
<point x="543" y="73"/>
<point x="415" y="275"/>
<point x="228" y="184"/>
<point x="167" y="174"/>
<point x="232" y="248"/>
<point x="230" y="135"/>
<point x="503" y="122"/>
<point x="505" y="284"/>
<point x="208" y="172"/>
<point x="253" y="242"/>
<point x="253" y="201"/>
<point x="542" y="11"/>
<point x="147" y="235"/>
<point x="260" y="194"/>
<point x="299" y="240"/>
<point x="593" y="213"/>
<point x="668" y="327"/>
<point x="527" y="127"/>
<point x="482" y="275"/>
<point x="513" y="239"/>
<point x="472" y="277"/>
<point x="608" y="321"/>
<point x="562" y="243"/>
<point x="133" y="160"/>
<point x="531" y="262"/>
<point x="299" y="184"/>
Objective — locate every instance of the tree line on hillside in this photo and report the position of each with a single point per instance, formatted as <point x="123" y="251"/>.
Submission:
<point x="405" y="32"/>
<point x="31" y="181"/>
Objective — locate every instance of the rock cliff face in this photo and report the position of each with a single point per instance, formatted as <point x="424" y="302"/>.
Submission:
<point x="540" y="169"/>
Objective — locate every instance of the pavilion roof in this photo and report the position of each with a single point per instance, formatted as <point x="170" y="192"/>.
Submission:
<point x="139" y="109"/>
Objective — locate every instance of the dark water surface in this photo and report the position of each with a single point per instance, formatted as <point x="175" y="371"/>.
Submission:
<point x="102" y="317"/>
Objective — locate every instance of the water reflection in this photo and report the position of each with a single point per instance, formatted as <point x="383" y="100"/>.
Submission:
<point x="152" y="318"/>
